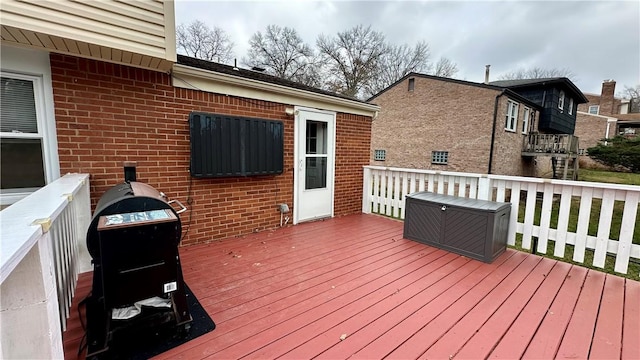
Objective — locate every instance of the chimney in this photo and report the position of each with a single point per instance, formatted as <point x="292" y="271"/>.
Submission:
<point x="129" y="171"/>
<point x="607" y="99"/>
<point x="486" y="74"/>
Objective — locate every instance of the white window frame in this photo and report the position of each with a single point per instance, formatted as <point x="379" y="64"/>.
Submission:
<point x="597" y="109"/>
<point x="561" y="101"/>
<point x="511" y="119"/>
<point x="570" y="106"/>
<point x="379" y="155"/>
<point x="525" y="120"/>
<point x="440" y="157"/>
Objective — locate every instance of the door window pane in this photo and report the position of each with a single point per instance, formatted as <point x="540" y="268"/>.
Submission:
<point x="316" y="137"/>
<point x="21" y="163"/>
<point x="17" y="106"/>
<point x="315" y="173"/>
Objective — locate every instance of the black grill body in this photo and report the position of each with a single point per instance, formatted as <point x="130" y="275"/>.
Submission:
<point x="132" y="261"/>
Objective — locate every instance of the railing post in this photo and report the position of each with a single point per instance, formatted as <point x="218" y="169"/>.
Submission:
<point x="82" y="205"/>
<point x="29" y="307"/>
<point x="366" y="191"/>
<point x="484" y="188"/>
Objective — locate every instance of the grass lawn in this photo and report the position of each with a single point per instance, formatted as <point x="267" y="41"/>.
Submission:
<point x="594" y="176"/>
<point x="609" y="177"/>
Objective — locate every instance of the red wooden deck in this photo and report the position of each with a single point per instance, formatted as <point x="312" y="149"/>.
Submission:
<point x="353" y="287"/>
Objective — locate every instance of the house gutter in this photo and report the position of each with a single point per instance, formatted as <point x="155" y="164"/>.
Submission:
<point x="493" y="131"/>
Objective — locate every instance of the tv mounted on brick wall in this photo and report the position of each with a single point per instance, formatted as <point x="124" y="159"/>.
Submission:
<point x="226" y="145"/>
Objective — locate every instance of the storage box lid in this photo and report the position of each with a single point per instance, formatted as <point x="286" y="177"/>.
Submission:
<point x="468" y="203"/>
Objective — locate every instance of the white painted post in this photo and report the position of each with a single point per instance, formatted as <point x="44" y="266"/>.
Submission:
<point x="484" y="188"/>
<point x="366" y="191"/>
<point x="29" y="307"/>
<point x="82" y="208"/>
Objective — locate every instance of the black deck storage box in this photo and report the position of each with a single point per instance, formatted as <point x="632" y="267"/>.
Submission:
<point x="469" y="227"/>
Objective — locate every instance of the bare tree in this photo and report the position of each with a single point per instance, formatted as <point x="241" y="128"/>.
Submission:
<point x="633" y="94"/>
<point x="282" y="53"/>
<point x="538" y="73"/>
<point x="352" y="58"/>
<point x="397" y="62"/>
<point x="200" y="41"/>
<point x="445" y="68"/>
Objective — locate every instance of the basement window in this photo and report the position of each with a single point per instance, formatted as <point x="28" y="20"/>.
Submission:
<point x="440" y="157"/>
<point x="412" y="84"/>
<point x="380" y="155"/>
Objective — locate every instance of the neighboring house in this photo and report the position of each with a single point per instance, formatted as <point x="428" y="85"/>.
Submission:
<point x="87" y="86"/>
<point x="605" y="116"/>
<point x="430" y="122"/>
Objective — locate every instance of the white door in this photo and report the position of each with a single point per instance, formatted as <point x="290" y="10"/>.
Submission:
<point x="315" y="148"/>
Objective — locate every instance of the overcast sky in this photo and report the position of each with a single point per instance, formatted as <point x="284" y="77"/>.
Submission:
<point x="597" y="40"/>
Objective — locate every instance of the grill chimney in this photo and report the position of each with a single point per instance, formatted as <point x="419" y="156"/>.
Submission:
<point x="486" y="74"/>
<point x="130" y="171"/>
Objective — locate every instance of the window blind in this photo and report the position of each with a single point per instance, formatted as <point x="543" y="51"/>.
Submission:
<point x="17" y="106"/>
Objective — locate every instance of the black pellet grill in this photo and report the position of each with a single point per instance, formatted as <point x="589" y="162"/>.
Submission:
<point x="133" y="241"/>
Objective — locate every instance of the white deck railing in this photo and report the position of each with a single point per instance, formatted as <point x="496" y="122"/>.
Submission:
<point x="384" y="191"/>
<point x="42" y="251"/>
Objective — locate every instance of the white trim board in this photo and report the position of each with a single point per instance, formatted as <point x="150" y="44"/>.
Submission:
<point x="204" y="80"/>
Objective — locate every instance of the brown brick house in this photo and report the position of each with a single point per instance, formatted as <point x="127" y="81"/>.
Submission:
<point x="93" y="110"/>
<point x="437" y="123"/>
<point x="622" y="117"/>
<point x="604" y="116"/>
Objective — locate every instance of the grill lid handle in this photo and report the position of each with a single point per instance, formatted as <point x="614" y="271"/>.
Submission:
<point x="183" y="208"/>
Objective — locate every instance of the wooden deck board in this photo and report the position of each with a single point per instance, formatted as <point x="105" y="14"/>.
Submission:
<point x="578" y="337"/>
<point x="631" y="325"/>
<point x="293" y="292"/>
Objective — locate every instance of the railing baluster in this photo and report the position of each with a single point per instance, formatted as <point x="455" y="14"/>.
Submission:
<point x="513" y="217"/>
<point x="563" y="220"/>
<point x="388" y="184"/>
<point x="462" y="187"/>
<point x="440" y="184"/>
<point x="604" y="228"/>
<point x="376" y="191"/>
<point x="396" y="194"/>
<point x="528" y="216"/>
<point x="626" y="231"/>
<point x="584" y="214"/>
<point x="545" y="218"/>
<point x="405" y="189"/>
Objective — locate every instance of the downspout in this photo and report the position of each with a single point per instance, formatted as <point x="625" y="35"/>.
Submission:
<point x="493" y="131"/>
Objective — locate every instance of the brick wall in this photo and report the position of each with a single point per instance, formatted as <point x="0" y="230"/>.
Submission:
<point x="353" y="139"/>
<point x="107" y="114"/>
<point x="445" y="116"/>
<point x="607" y="102"/>
<point x="507" y="158"/>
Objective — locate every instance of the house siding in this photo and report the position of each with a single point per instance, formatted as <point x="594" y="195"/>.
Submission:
<point x="446" y="116"/>
<point x="140" y="33"/>
<point x="107" y="113"/>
